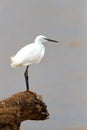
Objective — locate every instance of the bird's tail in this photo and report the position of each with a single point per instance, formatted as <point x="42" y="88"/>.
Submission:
<point x="12" y="62"/>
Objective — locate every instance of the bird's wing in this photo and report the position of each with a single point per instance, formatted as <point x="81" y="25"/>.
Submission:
<point x="27" y="55"/>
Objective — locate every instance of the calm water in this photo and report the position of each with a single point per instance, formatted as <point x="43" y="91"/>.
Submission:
<point x="61" y="77"/>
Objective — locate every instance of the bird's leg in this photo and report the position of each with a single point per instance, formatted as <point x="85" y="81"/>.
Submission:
<point x="26" y="78"/>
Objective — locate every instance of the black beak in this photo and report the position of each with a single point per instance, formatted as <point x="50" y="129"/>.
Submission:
<point x="50" y="40"/>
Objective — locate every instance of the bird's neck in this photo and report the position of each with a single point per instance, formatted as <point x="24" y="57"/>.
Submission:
<point x="38" y="42"/>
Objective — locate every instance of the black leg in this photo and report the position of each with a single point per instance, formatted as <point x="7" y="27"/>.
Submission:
<point x="26" y="78"/>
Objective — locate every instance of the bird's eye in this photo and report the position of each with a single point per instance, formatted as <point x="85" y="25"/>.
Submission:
<point x="45" y="38"/>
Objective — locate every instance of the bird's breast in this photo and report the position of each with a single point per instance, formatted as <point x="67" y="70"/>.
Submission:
<point x="40" y="50"/>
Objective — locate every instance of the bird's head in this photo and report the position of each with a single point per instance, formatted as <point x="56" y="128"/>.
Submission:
<point x="42" y="39"/>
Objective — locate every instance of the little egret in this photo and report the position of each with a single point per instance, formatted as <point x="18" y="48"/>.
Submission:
<point x="31" y="53"/>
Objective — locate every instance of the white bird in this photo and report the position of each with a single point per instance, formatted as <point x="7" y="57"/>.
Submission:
<point x="31" y="53"/>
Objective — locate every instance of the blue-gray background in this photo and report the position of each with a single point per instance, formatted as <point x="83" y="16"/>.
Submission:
<point x="61" y="77"/>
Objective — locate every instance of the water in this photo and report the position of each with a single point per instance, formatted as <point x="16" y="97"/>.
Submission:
<point x="61" y="77"/>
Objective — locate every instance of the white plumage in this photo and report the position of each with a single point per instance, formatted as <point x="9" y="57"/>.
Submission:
<point x="31" y="53"/>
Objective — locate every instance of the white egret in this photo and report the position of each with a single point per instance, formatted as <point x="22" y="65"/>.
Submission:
<point x="31" y="53"/>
